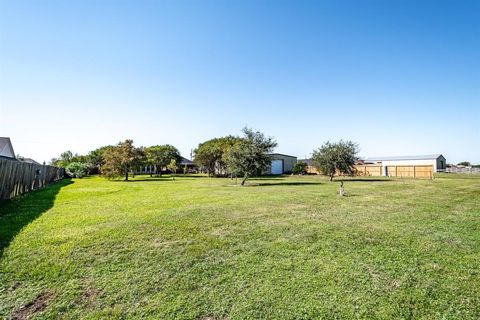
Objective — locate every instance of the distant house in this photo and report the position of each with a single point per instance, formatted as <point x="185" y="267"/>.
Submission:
<point x="281" y="163"/>
<point x="436" y="160"/>
<point x="187" y="164"/>
<point x="191" y="167"/>
<point x="6" y="148"/>
<point x="29" y="160"/>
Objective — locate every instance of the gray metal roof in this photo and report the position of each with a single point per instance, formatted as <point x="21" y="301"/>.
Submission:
<point x="8" y="158"/>
<point x="281" y="154"/>
<point x="186" y="161"/>
<point x="396" y="158"/>
<point x="3" y="142"/>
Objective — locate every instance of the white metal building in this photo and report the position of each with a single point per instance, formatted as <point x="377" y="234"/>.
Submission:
<point x="436" y="160"/>
<point x="281" y="163"/>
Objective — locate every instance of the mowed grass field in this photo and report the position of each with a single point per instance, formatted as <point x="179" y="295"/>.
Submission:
<point x="280" y="248"/>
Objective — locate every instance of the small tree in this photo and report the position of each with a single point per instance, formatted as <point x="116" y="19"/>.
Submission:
<point x="161" y="156"/>
<point x="299" y="168"/>
<point x="210" y="154"/>
<point x="172" y="166"/>
<point x="333" y="158"/>
<point x="64" y="159"/>
<point x="249" y="156"/>
<point x="95" y="158"/>
<point x="120" y="159"/>
<point x="76" y="169"/>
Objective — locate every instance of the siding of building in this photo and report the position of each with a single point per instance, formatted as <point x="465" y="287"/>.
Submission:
<point x="414" y="167"/>
<point x="288" y="162"/>
<point x="437" y="161"/>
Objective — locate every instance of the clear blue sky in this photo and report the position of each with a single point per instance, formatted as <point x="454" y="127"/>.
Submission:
<point x="398" y="77"/>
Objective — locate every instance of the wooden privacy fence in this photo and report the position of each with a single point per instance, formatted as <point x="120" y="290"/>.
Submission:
<point x="18" y="177"/>
<point x="312" y="170"/>
<point x="463" y="170"/>
<point x="410" y="171"/>
<point x="375" y="170"/>
<point x="413" y="171"/>
<point x="368" y="170"/>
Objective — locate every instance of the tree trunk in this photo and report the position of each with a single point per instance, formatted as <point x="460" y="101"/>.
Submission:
<point x="331" y="177"/>
<point x="244" y="179"/>
<point x="126" y="174"/>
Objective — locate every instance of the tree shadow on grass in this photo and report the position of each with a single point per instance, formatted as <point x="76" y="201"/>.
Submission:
<point x="361" y="180"/>
<point x="168" y="177"/>
<point x="17" y="213"/>
<point x="270" y="177"/>
<point x="153" y="179"/>
<point x="287" y="183"/>
<point x="163" y="177"/>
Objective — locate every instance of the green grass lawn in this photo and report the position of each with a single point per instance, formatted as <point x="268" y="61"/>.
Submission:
<point x="280" y="248"/>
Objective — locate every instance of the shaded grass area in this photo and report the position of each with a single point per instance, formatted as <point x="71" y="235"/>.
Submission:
<point x="196" y="248"/>
<point x="17" y="213"/>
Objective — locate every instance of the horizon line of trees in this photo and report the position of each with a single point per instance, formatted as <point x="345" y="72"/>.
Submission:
<point x="235" y="156"/>
<point x="232" y="155"/>
<point x="244" y="157"/>
<point x="113" y="161"/>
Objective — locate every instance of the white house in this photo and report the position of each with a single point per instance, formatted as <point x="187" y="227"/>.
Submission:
<point x="436" y="160"/>
<point x="6" y="148"/>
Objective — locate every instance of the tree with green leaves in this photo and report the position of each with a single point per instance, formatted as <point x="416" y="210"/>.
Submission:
<point x="95" y="158"/>
<point x="77" y="169"/>
<point x="64" y="159"/>
<point x="210" y="154"/>
<point x="335" y="158"/>
<point x="249" y="156"/>
<point x="119" y="160"/>
<point x="172" y="166"/>
<point x="92" y="161"/>
<point x="300" y="168"/>
<point x="160" y="156"/>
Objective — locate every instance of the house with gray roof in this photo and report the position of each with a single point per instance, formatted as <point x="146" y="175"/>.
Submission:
<point x="29" y="160"/>
<point x="6" y="148"/>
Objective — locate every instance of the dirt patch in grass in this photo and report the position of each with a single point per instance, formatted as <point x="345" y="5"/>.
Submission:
<point x="215" y="318"/>
<point x="90" y="294"/>
<point x="14" y="286"/>
<point x="39" y="304"/>
<point x="161" y="243"/>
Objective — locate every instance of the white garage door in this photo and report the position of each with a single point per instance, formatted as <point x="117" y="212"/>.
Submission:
<point x="277" y="166"/>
